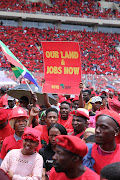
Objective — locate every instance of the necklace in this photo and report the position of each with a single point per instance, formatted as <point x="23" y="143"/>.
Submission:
<point x="105" y="151"/>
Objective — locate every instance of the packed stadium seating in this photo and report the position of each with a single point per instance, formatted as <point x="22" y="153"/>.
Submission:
<point x="98" y="52"/>
<point x="81" y="8"/>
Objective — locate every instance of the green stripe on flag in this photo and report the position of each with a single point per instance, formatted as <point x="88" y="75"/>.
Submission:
<point x="17" y="71"/>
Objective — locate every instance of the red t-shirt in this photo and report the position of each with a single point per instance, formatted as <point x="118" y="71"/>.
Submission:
<point x="10" y="143"/>
<point x="103" y="160"/>
<point x="44" y="134"/>
<point x="87" y="175"/>
<point x="66" y="123"/>
<point x="117" y="139"/>
<point x="80" y="135"/>
<point x="6" y="131"/>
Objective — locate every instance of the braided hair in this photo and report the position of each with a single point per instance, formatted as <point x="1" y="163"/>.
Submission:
<point x="60" y="127"/>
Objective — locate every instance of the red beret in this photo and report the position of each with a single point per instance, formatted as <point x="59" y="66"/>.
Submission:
<point x="3" y="115"/>
<point x="31" y="133"/>
<point x="72" y="144"/>
<point x="111" y="114"/>
<point x="81" y="112"/>
<point x="75" y="99"/>
<point x="114" y="105"/>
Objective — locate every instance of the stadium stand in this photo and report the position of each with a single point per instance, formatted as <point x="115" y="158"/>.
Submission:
<point x="80" y="8"/>
<point x="95" y="48"/>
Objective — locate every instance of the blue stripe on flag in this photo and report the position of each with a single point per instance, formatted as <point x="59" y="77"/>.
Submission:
<point x="29" y="77"/>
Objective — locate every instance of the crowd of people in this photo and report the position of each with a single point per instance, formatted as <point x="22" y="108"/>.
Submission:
<point x="95" y="47"/>
<point x="77" y="137"/>
<point x="88" y="9"/>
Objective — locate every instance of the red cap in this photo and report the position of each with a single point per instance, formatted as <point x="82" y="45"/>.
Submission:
<point x="60" y="96"/>
<point x="75" y="99"/>
<point x="3" y="115"/>
<point x="18" y="112"/>
<point x="62" y="99"/>
<point x="111" y="114"/>
<point x="93" y="92"/>
<point x="110" y="89"/>
<point x="72" y="144"/>
<point x="31" y="133"/>
<point x="91" y="88"/>
<point x="81" y="112"/>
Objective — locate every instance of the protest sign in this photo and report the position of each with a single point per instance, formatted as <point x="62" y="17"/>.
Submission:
<point x="62" y="67"/>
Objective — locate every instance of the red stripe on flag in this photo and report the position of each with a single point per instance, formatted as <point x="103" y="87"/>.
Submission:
<point x="12" y="60"/>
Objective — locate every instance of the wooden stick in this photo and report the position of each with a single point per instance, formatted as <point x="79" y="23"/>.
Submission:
<point x="28" y="86"/>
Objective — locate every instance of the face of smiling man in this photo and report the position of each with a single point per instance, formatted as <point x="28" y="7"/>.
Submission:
<point x="64" y="111"/>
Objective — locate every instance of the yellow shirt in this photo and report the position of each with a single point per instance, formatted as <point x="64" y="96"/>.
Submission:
<point x="88" y="105"/>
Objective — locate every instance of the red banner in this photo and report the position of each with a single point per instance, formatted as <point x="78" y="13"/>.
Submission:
<point x="62" y="67"/>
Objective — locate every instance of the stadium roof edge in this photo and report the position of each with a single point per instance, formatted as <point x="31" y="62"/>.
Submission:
<point x="64" y="19"/>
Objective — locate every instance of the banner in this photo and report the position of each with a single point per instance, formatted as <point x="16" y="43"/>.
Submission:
<point x="62" y="67"/>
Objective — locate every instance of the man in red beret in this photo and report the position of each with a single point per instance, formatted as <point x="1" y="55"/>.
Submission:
<point x="114" y="105"/>
<point x="67" y="161"/>
<point x="105" y="151"/>
<point x="80" y="121"/>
